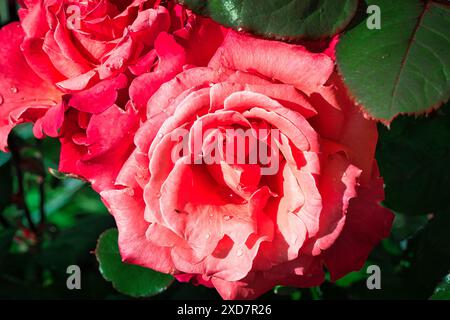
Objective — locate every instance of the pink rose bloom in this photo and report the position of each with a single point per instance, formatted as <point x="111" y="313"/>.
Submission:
<point x="230" y="225"/>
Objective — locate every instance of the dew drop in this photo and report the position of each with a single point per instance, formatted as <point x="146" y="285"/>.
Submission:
<point x="207" y="236"/>
<point x="171" y="100"/>
<point x="158" y="195"/>
<point x="160" y="135"/>
<point x="227" y="218"/>
<point x="14" y="90"/>
<point x="239" y="253"/>
<point x="211" y="215"/>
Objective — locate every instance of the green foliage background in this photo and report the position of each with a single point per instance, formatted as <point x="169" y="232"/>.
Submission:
<point x="414" y="158"/>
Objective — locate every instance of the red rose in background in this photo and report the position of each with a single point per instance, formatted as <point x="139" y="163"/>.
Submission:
<point x="83" y="70"/>
<point x="227" y="225"/>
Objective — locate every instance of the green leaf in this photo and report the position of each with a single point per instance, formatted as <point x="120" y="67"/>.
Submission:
<point x="442" y="291"/>
<point x="128" y="279"/>
<point x="281" y="19"/>
<point x="414" y="157"/>
<point x="404" y="67"/>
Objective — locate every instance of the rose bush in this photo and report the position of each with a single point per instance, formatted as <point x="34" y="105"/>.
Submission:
<point x="226" y="225"/>
<point x="83" y="71"/>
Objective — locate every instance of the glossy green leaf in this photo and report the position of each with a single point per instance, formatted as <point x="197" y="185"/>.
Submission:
<point x="128" y="279"/>
<point x="403" y="67"/>
<point x="414" y="157"/>
<point x="305" y="19"/>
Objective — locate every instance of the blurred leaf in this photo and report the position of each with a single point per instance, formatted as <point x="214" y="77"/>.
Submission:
<point x="405" y="226"/>
<point x="392" y="247"/>
<point x="59" y="197"/>
<point x="414" y="157"/>
<point x="72" y="245"/>
<point x="24" y="131"/>
<point x="6" y="237"/>
<point x="129" y="279"/>
<point x="41" y="274"/>
<point x="4" y="158"/>
<point x="353" y="277"/>
<point x="316" y="293"/>
<point x="281" y="19"/>
<point x="402" y="67"/>
<point x="430" y="252"/>
<point x="442" y="291"/>
<point x="61" y="175"/>
<point x="4" y="12"/>
<point x="33" y="165"/>
<point x="51" y="150"/>
<point x="6" y="185"/>
<point x="293" y="293"/>
<point x="71" y="200"/>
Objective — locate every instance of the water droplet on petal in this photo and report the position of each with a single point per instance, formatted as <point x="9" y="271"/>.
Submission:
<point x="239" y="252"/>
<point x="160" y="135"/>
<point x="171" y="100"/>
<point x="227" y="218"/>
<point x="207" y="236"/>
<point x="1" y="100"/>
<point x="211" y="215"/>
<point x="158" y="195"/>
<point x="14" y="90"/>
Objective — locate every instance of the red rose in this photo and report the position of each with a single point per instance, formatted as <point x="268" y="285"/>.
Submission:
<point x="236" y="226"/>
<point x="95" y="63"/>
